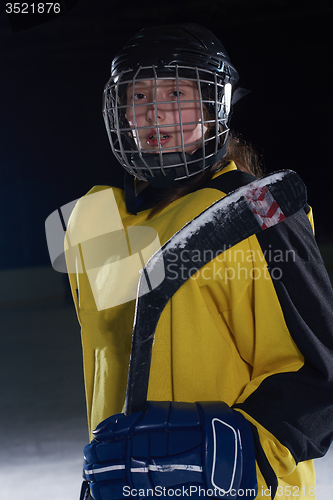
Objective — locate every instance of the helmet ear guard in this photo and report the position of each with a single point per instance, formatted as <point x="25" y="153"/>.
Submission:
<point x="188" y="53"/>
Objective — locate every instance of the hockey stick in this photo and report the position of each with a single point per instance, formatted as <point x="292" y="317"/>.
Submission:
<point x="242" y="213"/>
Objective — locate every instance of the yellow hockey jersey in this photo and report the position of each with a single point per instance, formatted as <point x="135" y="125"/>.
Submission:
<point x="252" y="328"/>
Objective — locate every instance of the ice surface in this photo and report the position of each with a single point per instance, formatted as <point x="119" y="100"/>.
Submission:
<point x="42" y="409"/>
<point x="51" y="478"/>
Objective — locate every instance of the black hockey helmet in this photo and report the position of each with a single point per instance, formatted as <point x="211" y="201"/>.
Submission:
<point x="177" y="52"/>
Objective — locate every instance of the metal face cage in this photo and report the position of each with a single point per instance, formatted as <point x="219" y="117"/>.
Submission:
<point x="212" y="101"/>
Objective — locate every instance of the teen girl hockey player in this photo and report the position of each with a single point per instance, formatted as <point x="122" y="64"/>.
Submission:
<point x="241" y="378"/>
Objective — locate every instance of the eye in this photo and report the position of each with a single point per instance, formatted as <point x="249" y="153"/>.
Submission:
<point x="139" y="96"/>
<point x="176" y="93"/>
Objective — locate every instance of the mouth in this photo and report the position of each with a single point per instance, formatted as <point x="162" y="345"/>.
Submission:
<point x="153" y="138"/>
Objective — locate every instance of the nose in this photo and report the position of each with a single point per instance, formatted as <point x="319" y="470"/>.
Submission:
<point x="155" y="114"/>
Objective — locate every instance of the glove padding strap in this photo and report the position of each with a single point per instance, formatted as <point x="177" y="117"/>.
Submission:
<point x="194" y="449"/>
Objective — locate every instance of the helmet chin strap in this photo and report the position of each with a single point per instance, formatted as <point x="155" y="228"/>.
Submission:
<point x="174" y="165"/>
<point x="162" y="181"/>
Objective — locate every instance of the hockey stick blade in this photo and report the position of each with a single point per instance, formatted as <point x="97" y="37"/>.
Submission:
<point x="242" y="213"/>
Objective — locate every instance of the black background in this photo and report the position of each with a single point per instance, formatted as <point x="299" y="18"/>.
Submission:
<point x="54" y="147"/>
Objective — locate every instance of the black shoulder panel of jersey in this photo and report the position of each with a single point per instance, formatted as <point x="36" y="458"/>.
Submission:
<point x="297" y="407"/>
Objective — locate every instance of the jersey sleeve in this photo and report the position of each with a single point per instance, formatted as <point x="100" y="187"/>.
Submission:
<point x="291" y="409"/>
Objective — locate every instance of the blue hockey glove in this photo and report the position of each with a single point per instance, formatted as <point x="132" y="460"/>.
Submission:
<point x="193" y="449"/>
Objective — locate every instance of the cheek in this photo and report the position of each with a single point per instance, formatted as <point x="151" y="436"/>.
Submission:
<point x="192" y="116"/>
<point x="136" y="118"/>
<point x="189" y="114"/>
<point x="129" y="116"/>
<point x="192" y="134"/>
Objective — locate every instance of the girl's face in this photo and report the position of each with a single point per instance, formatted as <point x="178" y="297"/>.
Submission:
<point x="150" y="106"/>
